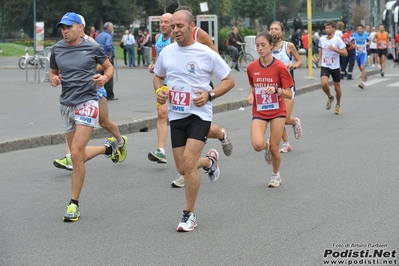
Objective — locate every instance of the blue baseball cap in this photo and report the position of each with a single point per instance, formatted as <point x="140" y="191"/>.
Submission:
<point x="350" y="27"/>
<point x="69" y="18"/>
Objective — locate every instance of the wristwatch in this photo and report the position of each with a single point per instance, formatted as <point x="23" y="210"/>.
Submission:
<point x="211" y="96"/>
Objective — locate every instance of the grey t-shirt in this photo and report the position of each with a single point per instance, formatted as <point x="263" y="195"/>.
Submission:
<point x="77" y="66"/>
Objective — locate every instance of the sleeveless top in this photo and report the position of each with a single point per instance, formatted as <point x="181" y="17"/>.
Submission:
<point x="160" y="43"/>
<point x="282" y="54"/>
<point x="195" y="33"/>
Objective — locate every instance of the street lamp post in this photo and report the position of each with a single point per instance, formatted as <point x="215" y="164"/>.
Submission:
<point x="217" y="9"/>
<point x="274" y="8"/>
<point x="348" y="14"/>
<point x="378" y="12"/>
<point x="34" y="26"/>
<point x="2" y="20"/>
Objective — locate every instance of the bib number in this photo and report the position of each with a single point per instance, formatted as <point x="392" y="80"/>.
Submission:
<point x="328" y="60"/>
<point x="180" y="100"/>
<point x="265" y="102"/>
<point x="87" y="113"/>
<point x="361" y="49"/>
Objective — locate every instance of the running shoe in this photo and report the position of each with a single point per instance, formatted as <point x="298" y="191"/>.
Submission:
<point x="179" y="182"/>
<point x="157" y="156"/>
<point x="329" y="102"/>
<point x="72" y="214"/>
<point x="286" y="147"/>
<point x="64" y="163"/>
<point x="188" y="222"/>
<point x="275" y="181"/>
<point x="361" y="85"/>
<point x="123" y="150"/>
<point x="226" y="143"/>
<point x="116" y="154"/>
<point x="297" y="128"/>
<point x="382" y="73"/>
<point x="337" y="109"/>
<point x="268" y="154"/>
<point x="213" y="172"/>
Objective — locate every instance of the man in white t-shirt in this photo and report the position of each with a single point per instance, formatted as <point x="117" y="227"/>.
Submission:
<point x="189" y="67"/>
<point x="330" y="48"/>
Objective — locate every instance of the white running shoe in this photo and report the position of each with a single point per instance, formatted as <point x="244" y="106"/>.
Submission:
<point x="286" y="147"/>
<point x="179" y="182"/>
<point x="297" y="128"/>
<point x="226" y="145"/>
<point x="275" y="181"/>
<point x="213" y="172"/>
<point x="188" y="222"/>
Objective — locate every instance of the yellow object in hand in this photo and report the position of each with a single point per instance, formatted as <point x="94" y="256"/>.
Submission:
<point x="163" y="88"/>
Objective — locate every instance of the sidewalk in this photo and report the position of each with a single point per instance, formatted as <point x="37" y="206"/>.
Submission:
<point x="29" y="111"/>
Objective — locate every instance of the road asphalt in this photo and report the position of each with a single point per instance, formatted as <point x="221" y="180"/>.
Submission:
<point x="29" y="112"/>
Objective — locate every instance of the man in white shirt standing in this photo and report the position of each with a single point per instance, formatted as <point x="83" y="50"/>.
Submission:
<point x="129" y="42"/>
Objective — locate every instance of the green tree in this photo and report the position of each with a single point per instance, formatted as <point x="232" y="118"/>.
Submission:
<point x="253" y="9"/>
<point x="20" y="14"/>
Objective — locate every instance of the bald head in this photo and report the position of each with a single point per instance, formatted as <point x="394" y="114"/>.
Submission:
<point x="188" y="16"/>
<point x="166" y="16"/>
<point x="164" y="24"/>
<point x="182" y="26"/>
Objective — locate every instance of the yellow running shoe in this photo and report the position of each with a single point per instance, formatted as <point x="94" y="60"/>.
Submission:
<point x="123" y="150"/>
<point x="72" y="214"/>
<point x="64" y="163"/>
<point x="337" y="109"/>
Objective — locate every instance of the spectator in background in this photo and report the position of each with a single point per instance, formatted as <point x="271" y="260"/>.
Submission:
<point x="93" y="33"/>
<point x="296" y="39"/>
<point x="139" y="42"/>
<point x="305" y="41"/>
<point x="349" y="60"/>
<point x="235" y="40"/>
<point x="396" y="44"/>
<point x="105" y="40"/>
<point x="147" y="45"/>
<point x="316" y="38"/>
<point x="129" y="42"/>
<point x="123" y="46"/>
<point x="339" y="30"/>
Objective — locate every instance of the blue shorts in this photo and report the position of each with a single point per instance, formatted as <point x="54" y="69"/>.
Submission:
<point x="101" y="92"/>
<point x="361" y="59"/>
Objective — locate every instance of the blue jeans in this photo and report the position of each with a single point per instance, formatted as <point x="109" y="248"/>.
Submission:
<point x="348" y="62"/>
<point x="234" y="52"/>
<point x="131" y="55"/>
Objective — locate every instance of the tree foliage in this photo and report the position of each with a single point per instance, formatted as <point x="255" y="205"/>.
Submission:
<point x="253" y="9"/>
<point x="19" y="15"/>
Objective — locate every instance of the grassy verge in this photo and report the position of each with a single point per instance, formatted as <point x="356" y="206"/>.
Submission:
<point x="17" y="50"/>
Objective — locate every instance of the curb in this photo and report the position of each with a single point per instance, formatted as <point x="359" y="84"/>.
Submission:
<point x="140" y="125"/>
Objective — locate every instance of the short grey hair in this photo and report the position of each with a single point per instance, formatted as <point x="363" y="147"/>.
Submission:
<point x="107" y="25"/>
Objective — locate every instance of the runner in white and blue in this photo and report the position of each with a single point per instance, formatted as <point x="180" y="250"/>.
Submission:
<point x="359" y="40"/>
